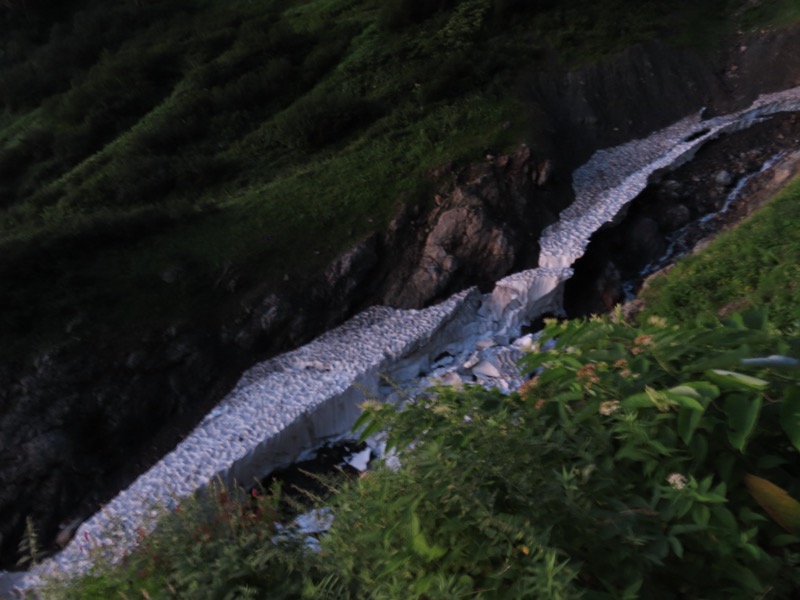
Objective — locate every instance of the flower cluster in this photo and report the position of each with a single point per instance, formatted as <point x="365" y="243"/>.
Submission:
<point x="587" y="375"/>
<point x="609" y="407"/>
<point x="625" y="371"/>
<point x="526" y="388"/>
<point x="640" y="343"/>
<point x="677" y="481"/>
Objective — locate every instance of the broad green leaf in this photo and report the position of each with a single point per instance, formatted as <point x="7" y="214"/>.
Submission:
<point x="371" y="429"/>
<point x="701" y="514"/>
<point x="703" y="388"/>
<point x="688" y="421"/>
<point x="687" y="402"/>
<point x="790" y="414"/>
<point x="362" y="420"/>
<point x="687" y="528"/>
<point x="785" y="539"/>
<point x="754" y="551"/>
<point x="698" y="447"/>
<point x="676" y="545"/>
<point x="742" y="412"/>
<point x="770" y="461"/>
<point x="746" y="578"/>
<point x="783" y="509"/>
<point x="685" y="390"/>
<point x="756" y="319"/>
<point x="420" y="545"/>
<point x="724" y="517"/>
<point x="570" y="396"/>
<point x="640" y="400"/>
<point x="717" y="361"/>
<point x="732" y="380"/>
<point x="629" y="452"/>
<point x="632" y="591"/>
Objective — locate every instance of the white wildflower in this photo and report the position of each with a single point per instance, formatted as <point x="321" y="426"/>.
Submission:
<point x="677" y="481"/>
<point x="609" y="407"/>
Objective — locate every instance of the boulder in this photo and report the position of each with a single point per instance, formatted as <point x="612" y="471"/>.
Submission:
<point x="673" y="216"/>
<point x="482" y="221"/>
<point x="645" y="240"/>
<point x="723" y="178"/>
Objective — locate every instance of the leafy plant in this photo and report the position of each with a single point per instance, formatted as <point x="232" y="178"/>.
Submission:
<point x="627" y="461"/>
<point x="638" y="462"/>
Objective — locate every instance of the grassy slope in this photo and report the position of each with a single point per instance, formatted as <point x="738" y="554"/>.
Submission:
<point x="755" y="264"/>
<point x="257" y="138"/>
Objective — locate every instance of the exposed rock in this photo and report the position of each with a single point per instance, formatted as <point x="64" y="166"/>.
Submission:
<point x="543" y="172"/>
<point x="631" y="310"/>
<point x="645" y="240"/>
<point x="673" y="216"/>
<point x="484" y="224"/>
<point x="636" y="241"/>
<point x="350" y="269"/>
<point x="723" y="178"/>
<point x="609" y="287"/>
<point x="486" y="369"/>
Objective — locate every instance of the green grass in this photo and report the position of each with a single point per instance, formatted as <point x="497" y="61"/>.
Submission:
<point x="771" y="13"/>
<point x="755" y="264"/>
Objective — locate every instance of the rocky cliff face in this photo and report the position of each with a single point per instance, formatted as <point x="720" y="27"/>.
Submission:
<point x="648" y="86"/>
<point x="81" y="420"/>
<point x="484" y="224"/>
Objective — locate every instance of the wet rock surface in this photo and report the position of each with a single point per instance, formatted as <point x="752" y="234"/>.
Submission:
<point x="649" y="86"/>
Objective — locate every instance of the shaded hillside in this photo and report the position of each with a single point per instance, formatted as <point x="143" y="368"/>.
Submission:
<point x="262" y="139"/>
<point x="176" y="179"/>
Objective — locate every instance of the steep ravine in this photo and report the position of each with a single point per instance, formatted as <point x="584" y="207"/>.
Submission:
<point x="80" y="422"/>
<point x="297" y="400"/>
<point x="681" y="208"/>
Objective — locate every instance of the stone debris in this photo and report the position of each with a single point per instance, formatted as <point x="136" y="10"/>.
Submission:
<point x="297" y="401"/>
<point x="360" y="460"/>
<point x="486" y="369"/>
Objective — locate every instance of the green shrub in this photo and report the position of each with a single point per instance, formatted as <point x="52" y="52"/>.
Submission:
<point x="621" y="467"/>
<point x="223" y="545"/>
<point x="322" y="118"/>
<point x="396" y="15"/>
<point x="652" y="462"/>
